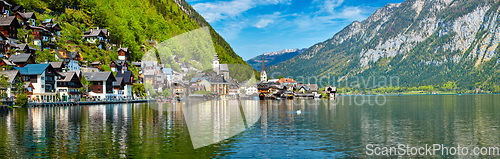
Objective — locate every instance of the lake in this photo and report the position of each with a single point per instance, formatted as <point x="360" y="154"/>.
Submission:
<point x="243" y="129"/>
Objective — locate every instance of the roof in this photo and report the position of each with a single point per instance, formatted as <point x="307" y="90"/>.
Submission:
<point x="126" y="75"/>
<point x="47" y="21"/>
<point x="8" y="62"/>
<point x="118" y="82"/>
<point x="39" y="28"/>
<point x="28" y="15"/>
<point x="23" y="46"/>
<point x="123" y="48"/>
<point x="136" y="63"/>
<point x="56" y="64"/>
<point x="98" y="76"/>
<point x="223" y="67"/>
<point x="11" y="74"/>
<point x="67" y="76"/>
<point x="33" y="69"/>
<point x="196" y="79"/>
<point x="17" y="7"/>
<point x="7" y="21"/>
<point x="286" y="80"/>
<point x="95" y="32"/>
<point x="20" y="58"/>
<point x="96" y="63"/>
<point x="4" y="3"/>
<point x="149" y="63"/>
<point x="167" y="71"/>
<point x="120" y="62"/>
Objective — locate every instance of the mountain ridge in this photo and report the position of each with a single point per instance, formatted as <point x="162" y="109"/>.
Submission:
<point x="421" y="42"/>
<point x="273" y="58"/>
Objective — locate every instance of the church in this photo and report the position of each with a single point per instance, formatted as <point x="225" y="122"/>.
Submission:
<point x="220" y="69"/>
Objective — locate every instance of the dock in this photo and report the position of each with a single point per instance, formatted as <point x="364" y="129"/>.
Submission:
<point x="35" y="104"/>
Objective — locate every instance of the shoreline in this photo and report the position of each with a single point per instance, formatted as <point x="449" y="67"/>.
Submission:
<point x="87" y="102"/>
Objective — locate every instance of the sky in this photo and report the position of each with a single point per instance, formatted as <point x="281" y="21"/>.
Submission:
<point x="254" y="27"/>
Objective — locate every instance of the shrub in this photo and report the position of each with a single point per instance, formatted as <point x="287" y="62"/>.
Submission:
<point x="21" y="100"/>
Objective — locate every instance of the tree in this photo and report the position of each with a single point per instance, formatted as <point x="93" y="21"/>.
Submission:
<point x="21" y="100"/>
<point x="138" y="89"/>
<point x="280" y="77"/>
<point x="167" y="93"/>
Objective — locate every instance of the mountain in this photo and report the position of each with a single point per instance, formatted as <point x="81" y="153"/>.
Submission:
<point x="422" y="42"/>
<point x="273" y="58"/>
<point x="136" y="24"/>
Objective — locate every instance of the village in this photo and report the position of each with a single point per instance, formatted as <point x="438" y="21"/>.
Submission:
<point x="72" y="78"/>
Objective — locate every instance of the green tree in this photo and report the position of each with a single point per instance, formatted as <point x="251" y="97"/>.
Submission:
<point x="21" y="100"/>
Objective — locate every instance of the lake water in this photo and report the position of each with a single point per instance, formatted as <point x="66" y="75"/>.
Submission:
<point x="273" y="129"/>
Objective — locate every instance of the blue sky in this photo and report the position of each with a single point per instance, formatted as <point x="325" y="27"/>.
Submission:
<point x="253" y="27"/>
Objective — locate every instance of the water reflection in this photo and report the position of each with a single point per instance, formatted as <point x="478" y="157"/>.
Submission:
<point x="247" y="128"/>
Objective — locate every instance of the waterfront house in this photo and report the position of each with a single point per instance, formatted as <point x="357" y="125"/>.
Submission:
<point x="331" y="91"/>
<point x="8" y="27"/>
<point x="219" y="85"/>
<point x="118" y="87"/>
<point x="23" y="48"/>
<point x="251" y="90"/>
<point x="118" y="65"/>
<point x="43" y="78"/>
<point x="26" y="19"/>
<point x="13" y="78"/>
<point x="101" y="84"/>
<point x="97" y="36"/>
<point x="22" y="59"/>
<point x="123" y="54"/>
<point x="128" y="82"/>
<point x="5" y="7"/>
<point x="69" y="86"/>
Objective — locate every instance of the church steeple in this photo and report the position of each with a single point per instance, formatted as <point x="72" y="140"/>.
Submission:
<point x="263" y="74"/>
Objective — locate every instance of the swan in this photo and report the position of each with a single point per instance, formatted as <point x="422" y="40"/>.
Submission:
<point x="299" y="112"/>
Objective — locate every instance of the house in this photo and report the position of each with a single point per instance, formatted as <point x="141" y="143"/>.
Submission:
<point x="88" y="69"/>
<point x="26" y="19"/>
<point x="118" y="65"/>
<point x="22" y="59"/>
<point x="128" y="81"/>
<point x="331" y="91"/>
<point x="167" y="72"/>
<point x="97" y="36"/>
<point x="5" y="7"/>
<point x="96" y="64"/>
<point x="13" y="78"/>
<point x="42" y="77"/>
<point x="58" y="66"/>
<point x="8" y="27"/>
<point x="25" y="48"/>
<point x="40" y="35"/>
<point x="219" y="85"/>
<point x="101" y="84"/>
<point x="123" y="54"/>
<point x="69" y="86"/>
<point x="250" y="90"/>
<point x="220" y="69"/>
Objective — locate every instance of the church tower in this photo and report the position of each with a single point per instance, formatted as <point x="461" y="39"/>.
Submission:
<point x="215" y="63"/>
<point x="263" y="75"/>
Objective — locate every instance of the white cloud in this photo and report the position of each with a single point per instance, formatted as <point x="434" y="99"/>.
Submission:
<point x="263" y="23"/>
<point x="215" y="11"/>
